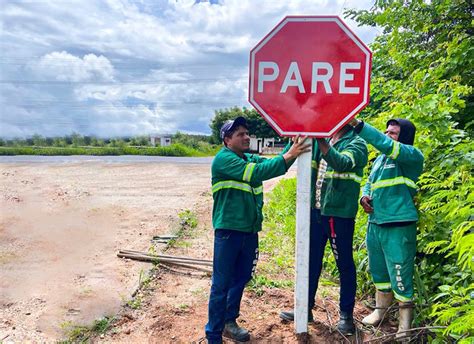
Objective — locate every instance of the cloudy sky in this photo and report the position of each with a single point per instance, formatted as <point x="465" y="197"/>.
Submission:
<point x="123" y="67"/>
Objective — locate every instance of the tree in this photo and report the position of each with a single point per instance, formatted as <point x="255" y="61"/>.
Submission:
<point x="257" y="125"/>
<point x="423" y="70"/>
<point x="38" y="140"/>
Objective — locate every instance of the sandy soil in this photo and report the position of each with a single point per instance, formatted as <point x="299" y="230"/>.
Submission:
<point x="61" y="226"/>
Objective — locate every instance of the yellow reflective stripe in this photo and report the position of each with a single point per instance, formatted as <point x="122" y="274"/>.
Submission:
<point x="336" y="175"/>
<point x="350" y="155"/>
<point x="248" y="171"/>
<point x="232" y="184"/>
<point x="383" y="286"/>
<point x="394" y="181"/>
<point x="401" y="297"/>
<point x="395" y="150"/>
<point x="314" y="164"/>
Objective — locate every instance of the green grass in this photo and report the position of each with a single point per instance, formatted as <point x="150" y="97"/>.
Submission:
<point x="187" y="225"/>
<point x="82" y="334"/>
<point x="277" y="241"/>
<point x="260" y="282"/>
<point x="172" y="150"/>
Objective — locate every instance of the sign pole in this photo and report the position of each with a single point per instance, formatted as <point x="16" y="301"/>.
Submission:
<point x="303" y="214"/>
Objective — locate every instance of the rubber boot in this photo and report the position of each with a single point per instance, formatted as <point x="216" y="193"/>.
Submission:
<point x="383" y="300"/>
<point x="405" y="319"/>
<point x="290" y="316"/>
<point x="235" y="332"/>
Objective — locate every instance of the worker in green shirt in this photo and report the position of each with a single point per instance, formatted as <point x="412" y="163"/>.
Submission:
<point x="338" y="165"/>
<point x="237" y="218"/>
<point x="388" y="199"/>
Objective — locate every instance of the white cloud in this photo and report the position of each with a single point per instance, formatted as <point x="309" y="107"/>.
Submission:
<point x="133" y="67"/>
<point x="62" y="66"/>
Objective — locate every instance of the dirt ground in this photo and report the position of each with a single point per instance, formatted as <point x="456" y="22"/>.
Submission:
<point x="61" y="226"/>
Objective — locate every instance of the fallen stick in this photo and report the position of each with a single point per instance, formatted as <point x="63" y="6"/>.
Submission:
<point x="406" y="335"/>
<point x="161" y="259"/>
<point x="166" y="256"/>
<point x="165" y="237"/>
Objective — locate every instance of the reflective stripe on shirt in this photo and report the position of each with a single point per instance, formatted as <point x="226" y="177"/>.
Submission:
<point x="395" y="150"/>
<point x="351" y="156"/>
<point x="232" y="184"/>
<point x="394" y="181"/>
<point x="348" y="175"/>
<point x="248" y="171"/>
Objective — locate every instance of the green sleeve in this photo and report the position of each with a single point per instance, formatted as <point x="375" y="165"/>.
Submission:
<point x="366" y="189"/>
<point x="404" y="154"/>
<point x="252" y="171"/>
<point x="355" y="154"/>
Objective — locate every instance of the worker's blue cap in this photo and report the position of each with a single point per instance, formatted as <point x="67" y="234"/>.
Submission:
<point x="231" y="125"/>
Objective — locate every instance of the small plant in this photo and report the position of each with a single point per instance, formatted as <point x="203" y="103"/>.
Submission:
<point x="144" y="279"/>
<point x="187" y="222"/>
<point x="183" y="306"/>
<point x="188" y="219"/>
<point x="135" y="302"/>
<point x="82" y="334"/>
<point x="258" y="283"/>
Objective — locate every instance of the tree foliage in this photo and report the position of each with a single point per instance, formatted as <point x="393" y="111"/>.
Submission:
<point x="423" y="71"/>
<point x="256" y="123"/>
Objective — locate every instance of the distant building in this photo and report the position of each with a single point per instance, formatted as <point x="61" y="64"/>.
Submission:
<point x="161" y="140"/>
<point x="267" y="145"/>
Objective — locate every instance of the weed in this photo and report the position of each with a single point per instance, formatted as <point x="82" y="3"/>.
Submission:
<point x="144" y="279"/>
<point x="135" y="302"/>
<point x="188" y="219"/>
<point x="83" y="334"/>
<point x="258" y="283"/>
<point x="183" y="306"/>
<point x="199" y="292"/>
<point x="188" y="222"/>
<point x="183" y="244"/>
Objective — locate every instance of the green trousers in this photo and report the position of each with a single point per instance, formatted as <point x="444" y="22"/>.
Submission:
<point x="391" y="258"/>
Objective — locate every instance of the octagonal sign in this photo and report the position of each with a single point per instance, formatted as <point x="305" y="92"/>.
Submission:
<point x="310" y="75"/>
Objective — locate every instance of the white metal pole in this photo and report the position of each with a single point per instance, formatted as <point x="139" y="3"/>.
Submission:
<point x="303" y="208"/>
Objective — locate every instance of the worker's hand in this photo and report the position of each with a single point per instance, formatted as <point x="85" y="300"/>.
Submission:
<point x="354" y="122"/>
<point x="297" y="148"/>
<point x="365" y="202"/>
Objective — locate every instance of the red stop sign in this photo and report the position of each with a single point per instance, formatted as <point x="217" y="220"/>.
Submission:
<point x="309" y="75"/>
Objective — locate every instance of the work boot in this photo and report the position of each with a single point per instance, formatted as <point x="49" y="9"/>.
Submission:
<point x="346" y="324"/>
<point x="235" y="332"/>
<point x="405" y="318"/>
<point x="290" y="316"/>
<point x="382" y="302"/>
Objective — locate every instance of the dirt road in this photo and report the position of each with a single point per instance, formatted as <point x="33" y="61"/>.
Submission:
<point x="61" y="226"/>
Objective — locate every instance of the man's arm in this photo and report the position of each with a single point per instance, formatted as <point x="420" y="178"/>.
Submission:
<point x="405" y="154"/>
<point x="355" y="154"/>
<point x="235" y="168"/>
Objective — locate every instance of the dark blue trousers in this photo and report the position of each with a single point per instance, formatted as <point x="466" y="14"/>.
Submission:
<point x="339" y="231"/>
<point x="235" y="259"/>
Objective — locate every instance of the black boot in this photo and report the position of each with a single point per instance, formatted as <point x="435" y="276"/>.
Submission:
<point x="346" y="324"/>
<point x="235" y="332"/>
<point x="290" y="316"/>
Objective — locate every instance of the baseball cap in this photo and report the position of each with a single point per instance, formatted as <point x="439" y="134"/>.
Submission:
<point x="232" y="124"/>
